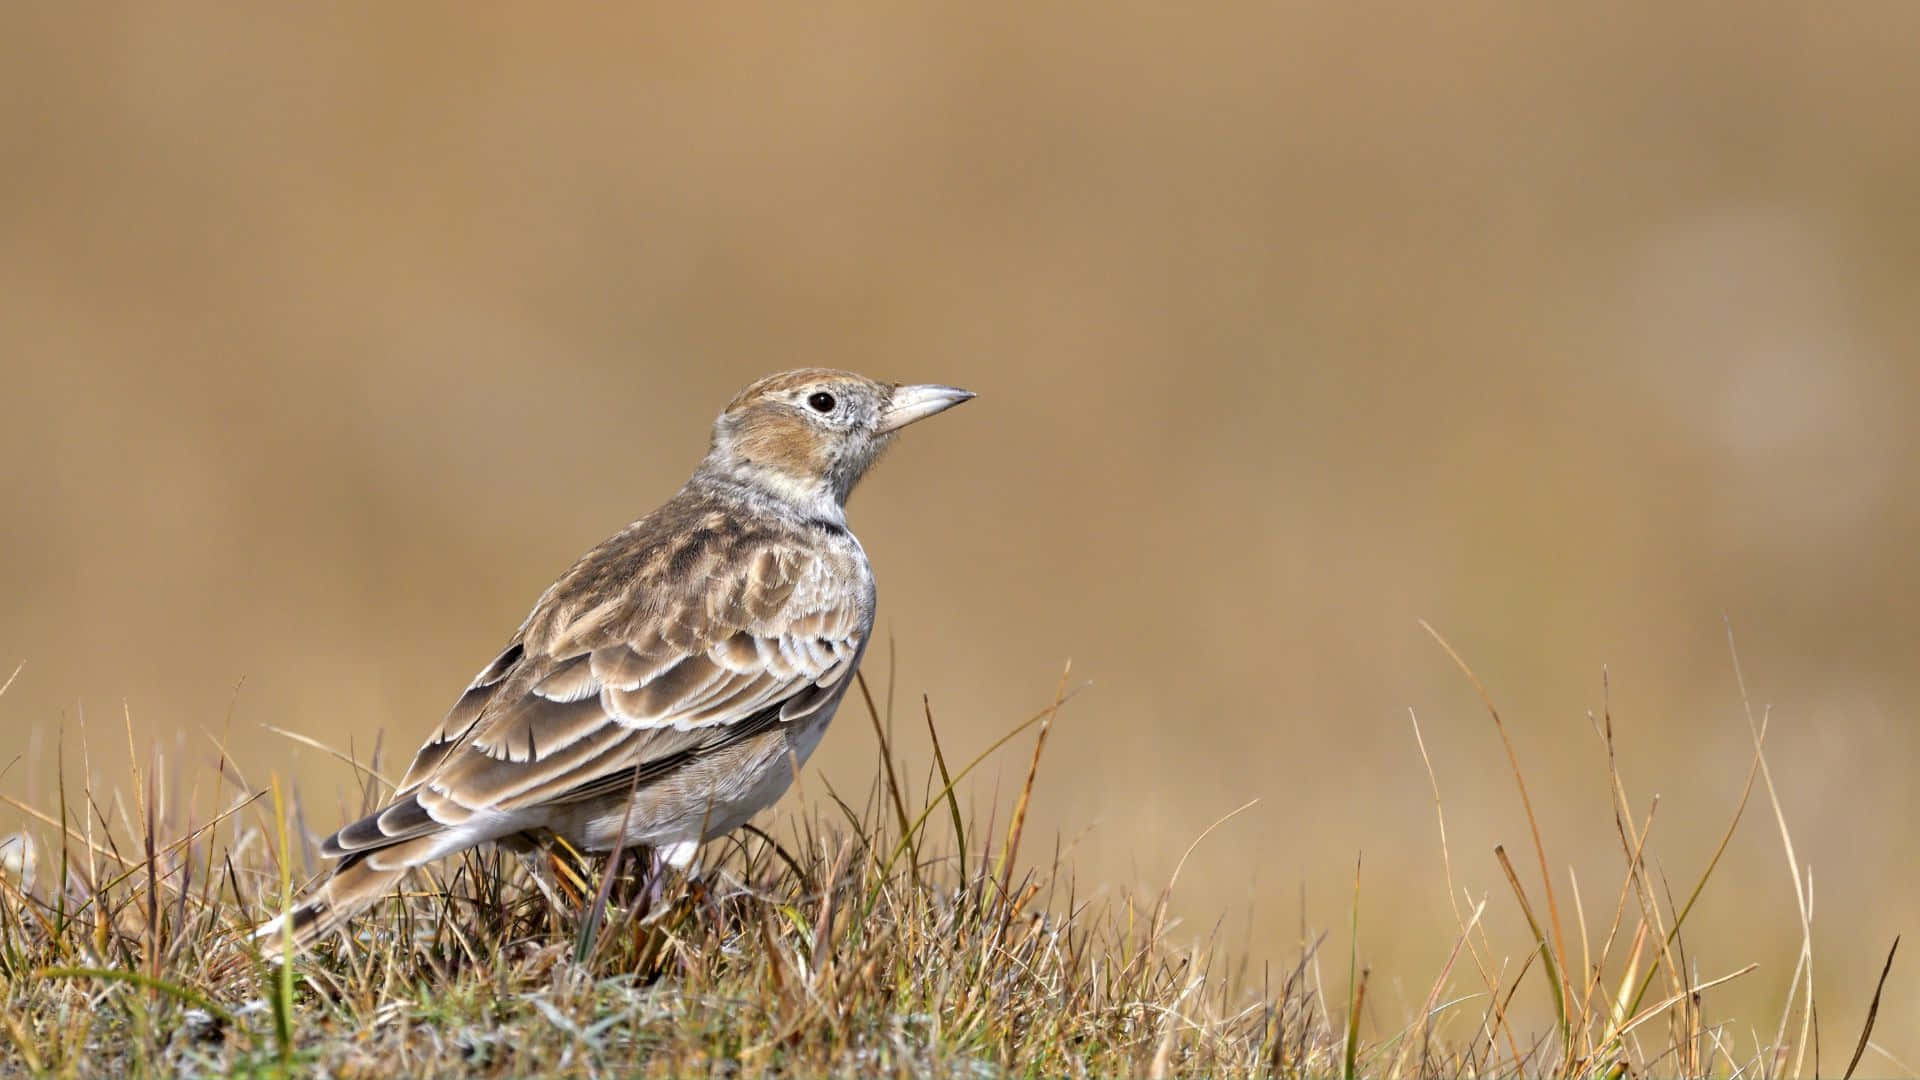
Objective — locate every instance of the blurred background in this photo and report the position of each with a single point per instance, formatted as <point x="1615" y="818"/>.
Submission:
<point x="329" y="336"/>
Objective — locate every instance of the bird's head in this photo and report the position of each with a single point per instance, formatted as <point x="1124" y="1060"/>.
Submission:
<point x="808" y="436"/>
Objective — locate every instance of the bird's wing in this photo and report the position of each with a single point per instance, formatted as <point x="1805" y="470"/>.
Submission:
<point x="631" y="665"/>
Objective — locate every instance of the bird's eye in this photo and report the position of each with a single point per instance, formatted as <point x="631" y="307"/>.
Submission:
<point x="821" y="402"/>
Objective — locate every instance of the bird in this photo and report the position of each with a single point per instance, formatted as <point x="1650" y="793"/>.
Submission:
<point x="666" y="687"/>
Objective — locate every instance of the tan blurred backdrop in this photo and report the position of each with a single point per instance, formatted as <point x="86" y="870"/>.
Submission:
<point x="327" y="338"/>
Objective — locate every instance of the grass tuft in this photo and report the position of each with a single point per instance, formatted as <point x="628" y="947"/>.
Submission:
<point x="879" y="935"/>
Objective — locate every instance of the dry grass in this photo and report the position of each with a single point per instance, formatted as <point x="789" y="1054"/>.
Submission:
<point x="898" y="935"/>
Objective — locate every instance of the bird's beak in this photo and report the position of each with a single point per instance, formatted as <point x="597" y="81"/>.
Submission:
<point x="910" y="403"/>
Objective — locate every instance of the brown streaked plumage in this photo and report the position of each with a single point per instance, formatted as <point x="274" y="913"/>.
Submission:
<point x="671" y="680"/>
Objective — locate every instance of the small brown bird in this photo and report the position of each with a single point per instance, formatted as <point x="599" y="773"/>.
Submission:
<point x="669" y="683"/>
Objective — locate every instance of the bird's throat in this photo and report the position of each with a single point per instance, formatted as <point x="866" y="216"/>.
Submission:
<point x="808" y="496"/>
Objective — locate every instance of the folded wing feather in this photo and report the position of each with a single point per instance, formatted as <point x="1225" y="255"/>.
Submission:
<point x="628" y="690"/>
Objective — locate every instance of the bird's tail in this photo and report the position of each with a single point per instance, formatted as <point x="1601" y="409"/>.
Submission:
<point x="360" y="881"/>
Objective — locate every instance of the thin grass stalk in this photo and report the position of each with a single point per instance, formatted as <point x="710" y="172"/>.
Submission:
<point x="1533" y="823"/>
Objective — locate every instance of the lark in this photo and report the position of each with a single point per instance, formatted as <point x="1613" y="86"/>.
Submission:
<point x="666" y="687"/>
